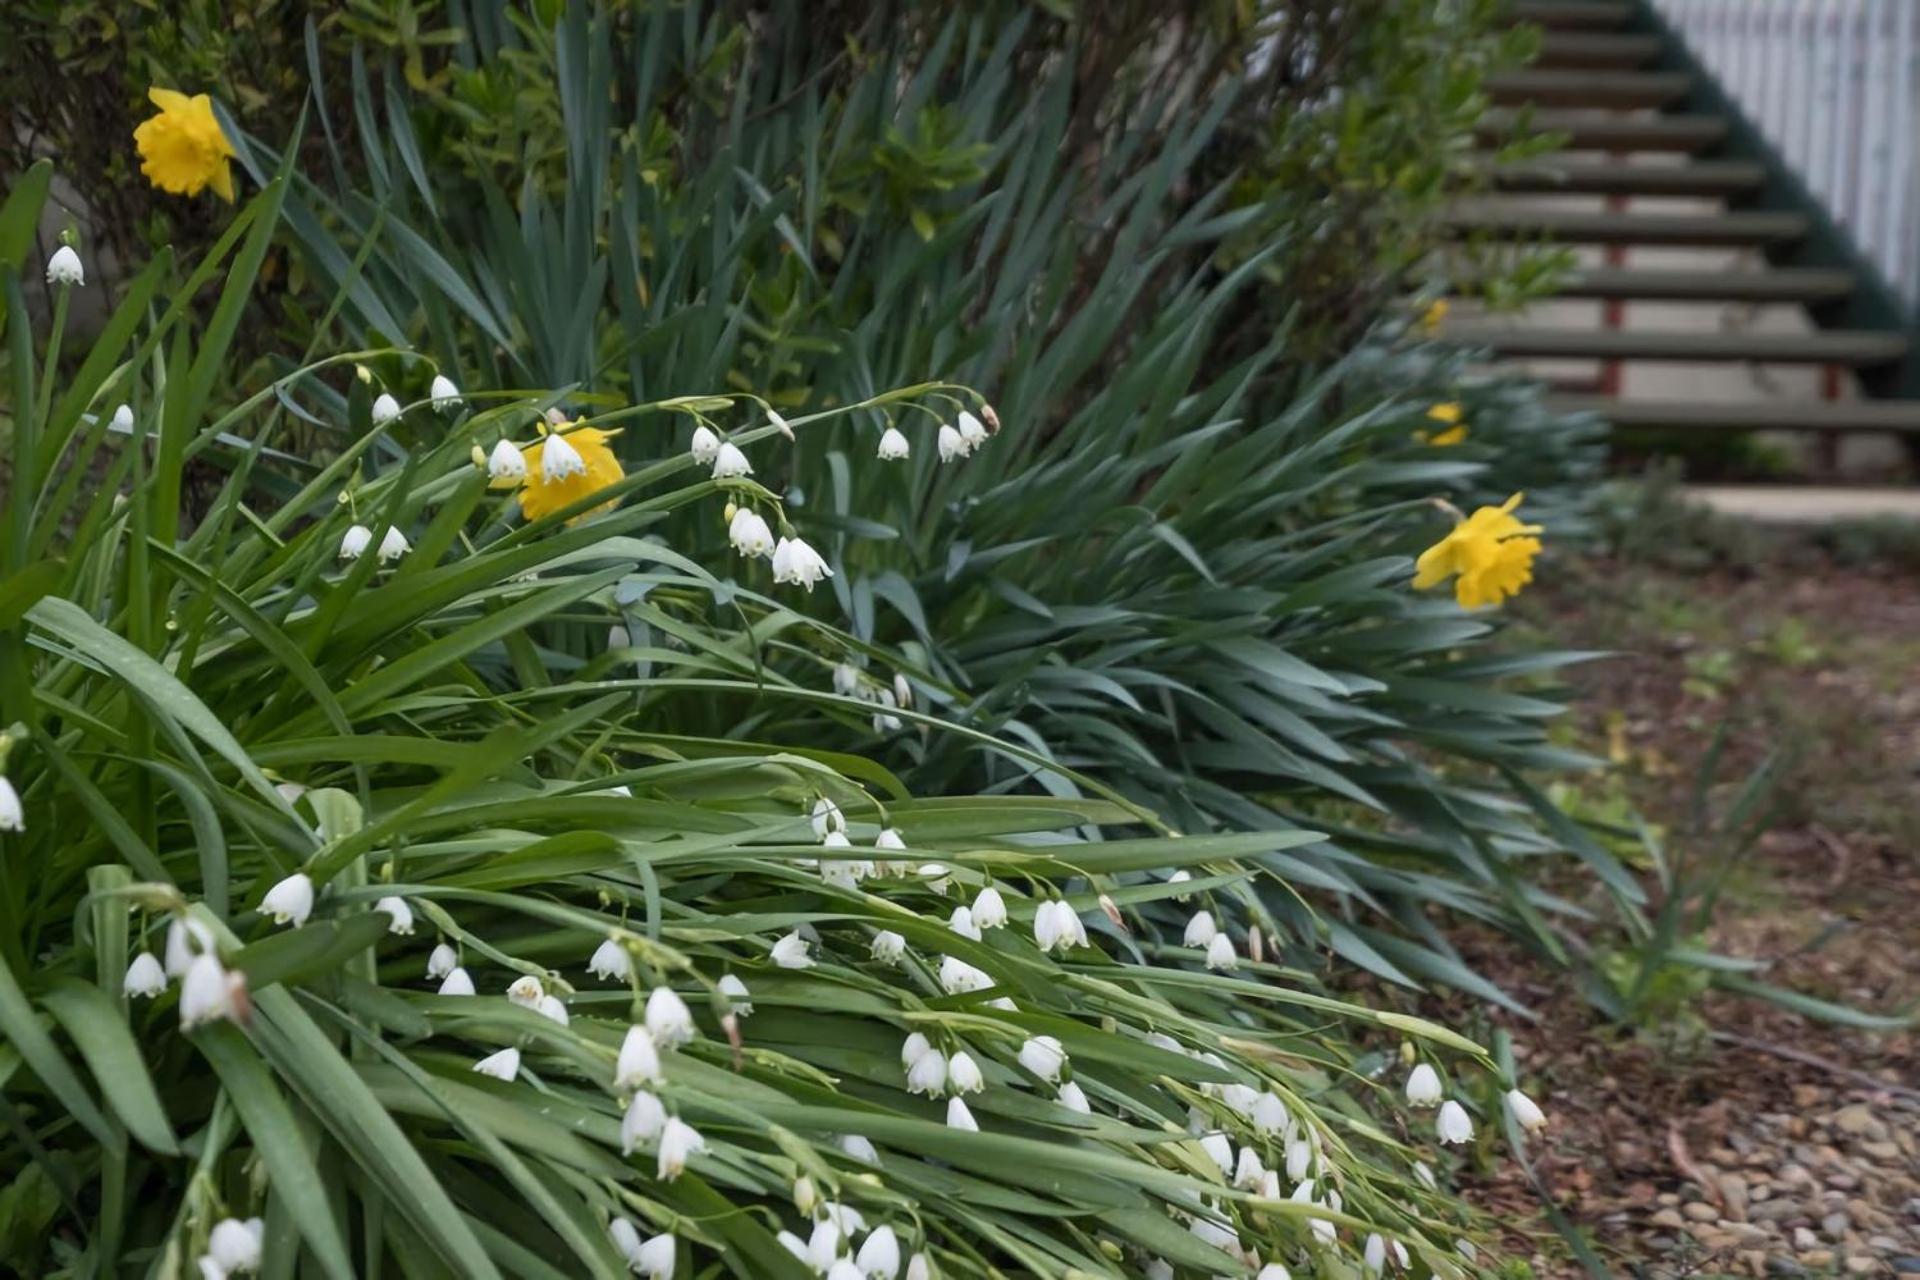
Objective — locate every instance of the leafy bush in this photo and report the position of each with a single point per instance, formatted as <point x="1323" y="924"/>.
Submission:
<point x="340" y="703"/>
<point x="1180" y="570"/>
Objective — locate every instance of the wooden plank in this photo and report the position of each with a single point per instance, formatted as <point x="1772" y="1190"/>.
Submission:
<point x="1749" y="415"/>
<point x="1855" y="347"/>
<point x="1784" y="284"/>
<point x="1588" y="132"/>
<point x="1615" y="90"/>
<point x="1721" y="178"/>
<point x="1594" y="50"/>
<point x="1580" y="15"/>
<point x="1720" y="230"/>
<point x="1807" y="504"/>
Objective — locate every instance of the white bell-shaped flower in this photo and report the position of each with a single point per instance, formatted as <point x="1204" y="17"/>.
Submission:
<point x="1423" y="1086"/>
<point x="559" y="460"/>
<point x="656" y="1257"/>
<point x="64" y="267"/>
<point x="827" y="818"/>
<point x="144" y="977"/>
<point x="846" y="679"/>
<point x="290" y="901"/>
<point x="893" y="445"/>
<point x="964" y="1075"/>
<point x="610" y="962"/>
<point x="458" y="982"/>
<point x="1526" y="1112"/>
<point x="959" y="1117"/>
<point x="749" y="533"/>
<point x="1299" y="1159"/>
<point x="806" y="1196"/>
<point x="1454" y="1124"/>
<point x="796" y="562"/>
<point x="951" y="444"/>
<point x="644" y="1121"/>
<point x="355" y="541"/>
<point x="729" y="463"/>
<point x="393" y="544"/>
<point x="962" y="923"/>
<point x="639" y="1061"/>
<point x="504" y="1065"/>
<point x="989" y="908"/>
<point x="879" y="1255"/>
<point x="123" y="419"/>
<point x="442" y="960"/>
<point x="823" y="1246"/>
<point x="844" y="1269"/>
<point x="914" y="1048"/>
<point x="919" y="1268"/>
<point x="958" y="977"/>
<point x="1221" y="955"/>
<point x="1269" y="1113"/>
<point x="507" y="463"/>
<point x="739" y="999"/>
<point x="444" y="394"/>
<point x="1374" y="1254"/>
<point x="1221" y="1150"/>
<point x="1073" y="932"/>
<point x="526" y="991"/>
<point x="385" y="410"/>
<point x="1180" y="877"/>
<point x="399" y="914"/>
<point x="1248" y="1172"/>
<point x="859" y="1148"/>
<point x="890" y="840"/>
<point x="551" y="1008"/>
<point x="972" y="431"/>
<point x="888" y="947"/>
<point x="1201" y="930"/>
<point x="235" y="1245"/>
<point x="679" y="1142"/>
<point x="1074" y="1098"/>
<point x="625" y="1237"/>
<point x="927" y="1074"/>
<point x="1274" y="1271"/>
<point x="791" y="953"/>
<point x="1044" y="1056"/>
<point x="706" y="445"/>
<point x="668" y="1018"/>
<point x="13" y="816"/>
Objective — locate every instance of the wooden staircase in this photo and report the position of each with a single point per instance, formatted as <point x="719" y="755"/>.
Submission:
<point x="1645" y="124"/>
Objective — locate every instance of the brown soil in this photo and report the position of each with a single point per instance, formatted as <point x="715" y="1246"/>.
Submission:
<point x="1722" y="1134"/>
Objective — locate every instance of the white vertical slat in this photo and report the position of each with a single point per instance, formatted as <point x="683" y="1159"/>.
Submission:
<point x="1874" y="151"/>
<point x="1835" y="87"/>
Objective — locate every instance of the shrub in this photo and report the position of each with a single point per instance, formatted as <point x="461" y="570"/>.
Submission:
<point x="1181" y="569"/>
<point x="340" y="710"/>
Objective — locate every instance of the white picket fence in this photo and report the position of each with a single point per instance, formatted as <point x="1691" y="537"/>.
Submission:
<point x="1835" y="87"/>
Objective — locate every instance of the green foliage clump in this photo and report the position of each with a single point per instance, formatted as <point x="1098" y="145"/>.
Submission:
<point x="278" y="768"/>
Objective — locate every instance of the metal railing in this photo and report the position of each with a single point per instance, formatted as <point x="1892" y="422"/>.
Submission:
<point x="1835" y="87"/>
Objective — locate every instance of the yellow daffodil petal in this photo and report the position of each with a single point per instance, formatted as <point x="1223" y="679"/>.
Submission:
<point x="541" y="497"/>
<point x="182" y="149"/>
<point x="1491" y="551"/>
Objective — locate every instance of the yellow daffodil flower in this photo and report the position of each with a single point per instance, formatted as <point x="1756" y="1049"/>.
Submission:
<point x="182" y="149"/>
<point x="1450" y="415"/>
<point x="547" y="490"/>
<point x="1434" y="316"/>
<point x="1490" y="550"/>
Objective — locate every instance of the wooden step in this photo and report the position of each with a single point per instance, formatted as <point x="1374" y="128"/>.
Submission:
<point x="1594" y="50"/>
<point x="1721" y="230"/>
<point x="1748" y="415"/>
<point x="1722" y="178"/>
<point x="1785" y="284"/>
<point x="1860" y="348"/>
<point x="1573" y="15"/>
<point x="1586" y="131"/>
<point x="1614" y="90"/>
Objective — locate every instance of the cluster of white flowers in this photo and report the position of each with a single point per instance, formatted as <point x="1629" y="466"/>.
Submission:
<point x="962" y="438"/>
<point x="654" y="1257"/>
<point x="234" y="1247"/>
<point x="1453" y="1124"/>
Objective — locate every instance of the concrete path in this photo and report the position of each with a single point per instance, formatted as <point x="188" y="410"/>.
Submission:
<point x="1802" y="504"/>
